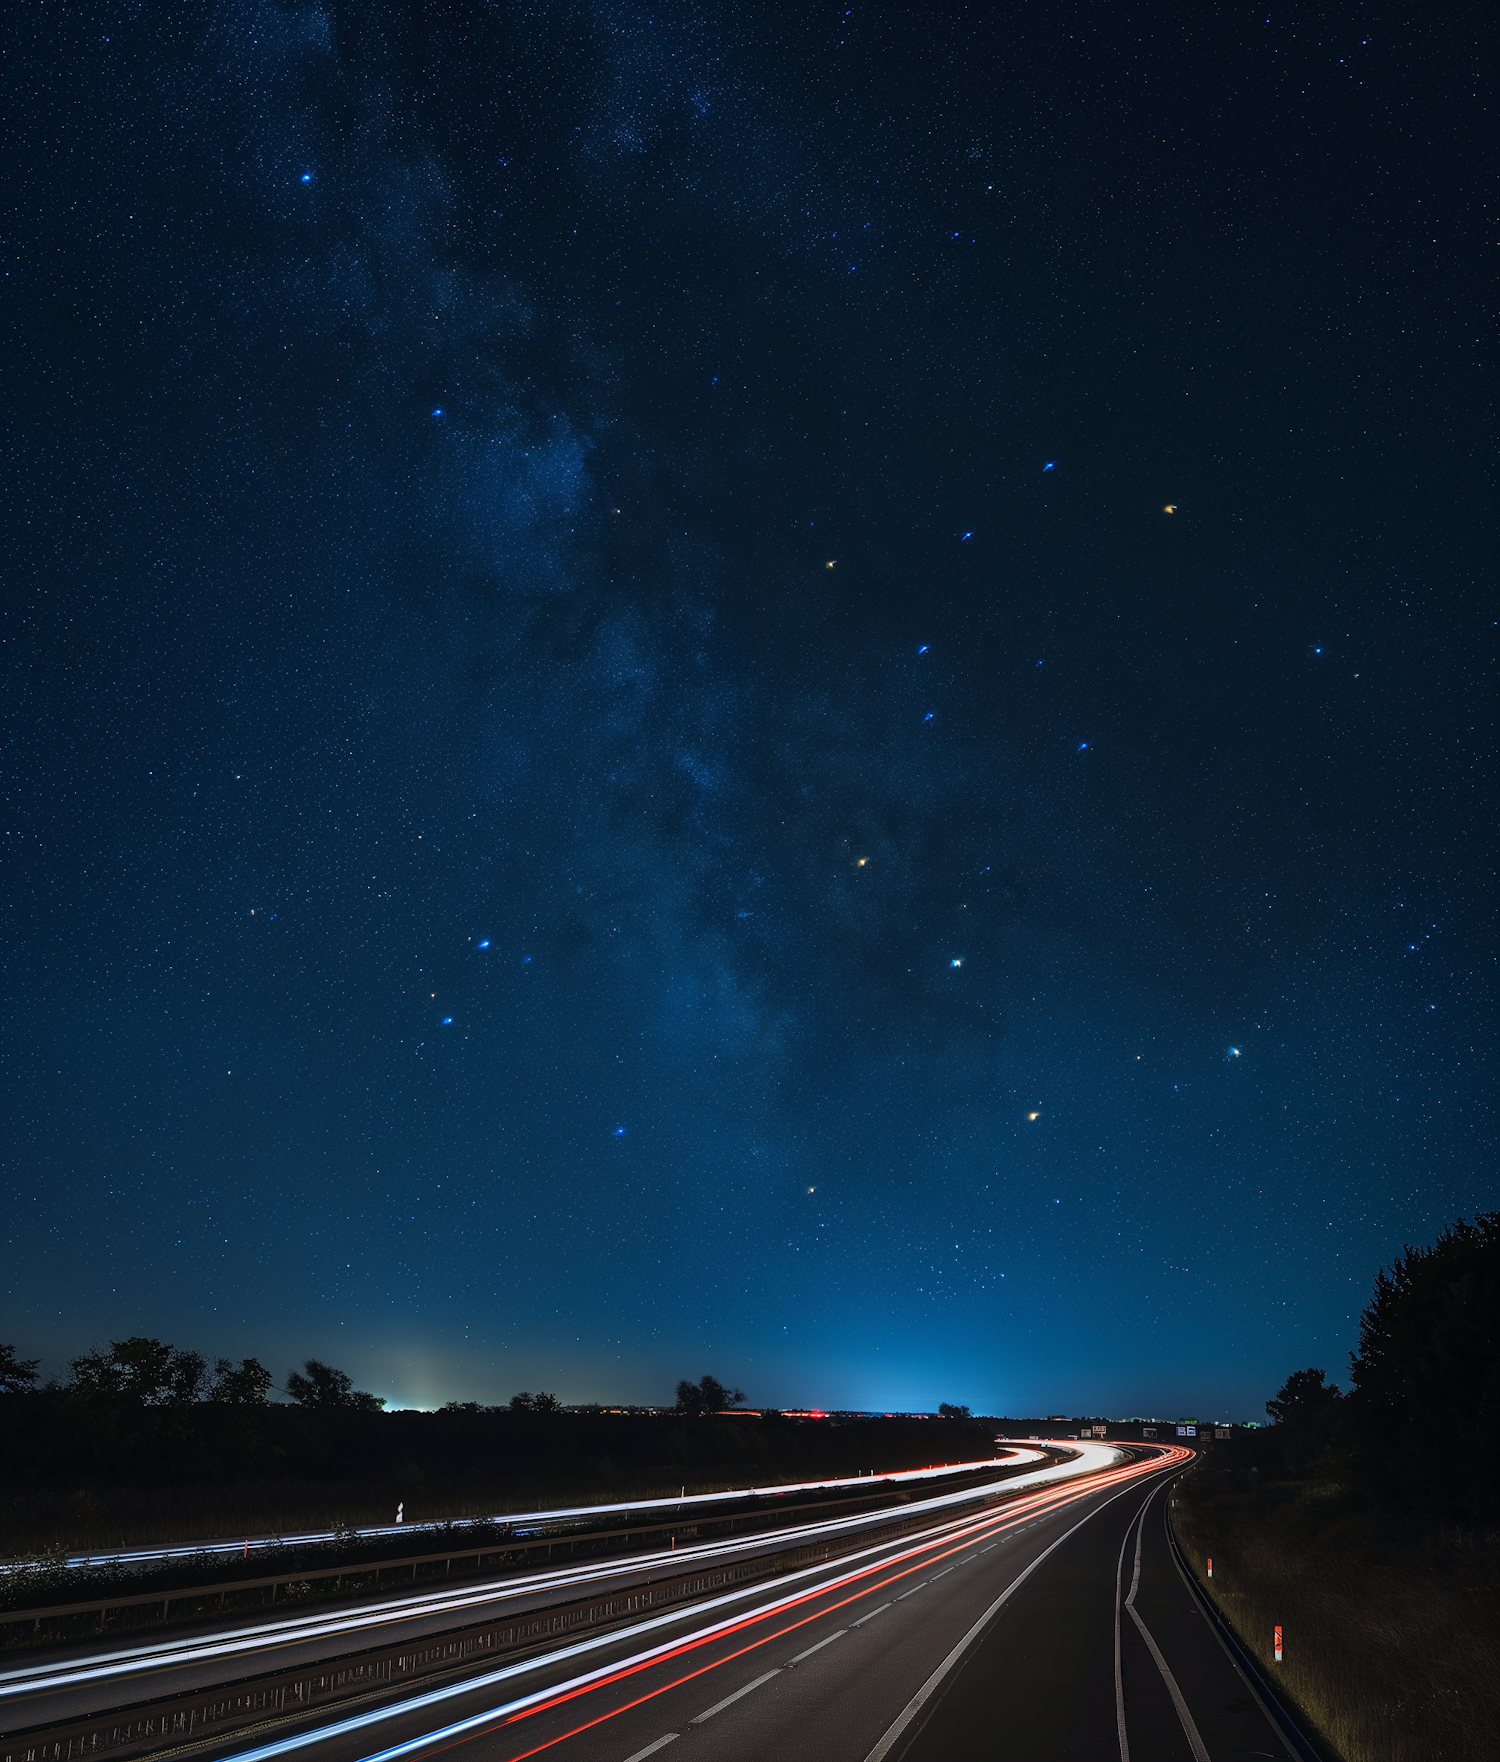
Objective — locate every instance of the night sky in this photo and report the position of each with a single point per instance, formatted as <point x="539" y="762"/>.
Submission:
<point x="795" y="692"/>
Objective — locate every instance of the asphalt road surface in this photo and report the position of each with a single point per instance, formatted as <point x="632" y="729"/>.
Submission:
<point x="521" y="1521"/>
<point x="83" y="1681"/>
<point x="1057" y="1620"/>
<point x="1063" y="1626"/>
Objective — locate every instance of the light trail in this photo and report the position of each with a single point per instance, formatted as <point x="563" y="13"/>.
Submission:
<point x="240" y="1642"/>
<point x="953" y="1538"/>
<point x="513" y="1520"/>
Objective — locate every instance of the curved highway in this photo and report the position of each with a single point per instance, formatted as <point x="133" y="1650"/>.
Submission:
<point x="1057" y="1621"/>
<point x="514" y="1521"/>
<point x="75" y="1686"/>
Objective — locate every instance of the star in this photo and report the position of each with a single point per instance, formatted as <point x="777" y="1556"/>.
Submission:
<point x="1171" y="508"/>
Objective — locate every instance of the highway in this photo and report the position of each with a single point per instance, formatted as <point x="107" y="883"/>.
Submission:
<point x="98" y="1679"/>
<point x="521" y="1521"/>
<point x="1056" y="1619"/>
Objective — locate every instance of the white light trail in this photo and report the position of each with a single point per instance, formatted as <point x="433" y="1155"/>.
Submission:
<point x="297" y="1629"/>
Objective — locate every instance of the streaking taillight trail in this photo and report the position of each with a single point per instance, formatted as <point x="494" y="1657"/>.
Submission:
<point x="864" y="1581"/>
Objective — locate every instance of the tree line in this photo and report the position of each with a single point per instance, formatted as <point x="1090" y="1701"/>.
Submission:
<point x="152" y="1373"/>
<point x="1419" y="1423"/>
<point x="146" y="1372"/>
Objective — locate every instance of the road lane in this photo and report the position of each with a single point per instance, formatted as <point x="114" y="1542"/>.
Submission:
<point x="54" y="1690"/>
<point x="688" y="1503"/>
<point x="817" y="1668"/>
<point x="1105" y="1656"/>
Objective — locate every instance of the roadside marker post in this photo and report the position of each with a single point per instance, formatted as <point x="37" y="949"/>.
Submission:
<point x="1210" y="1566"/>
<point x="1278" y="1644"/>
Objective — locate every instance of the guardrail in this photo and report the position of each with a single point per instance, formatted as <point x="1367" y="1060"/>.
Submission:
<point x="207" y="1716"/>
<point x="186" y="1723"/>
<point x="212" y="1599"/>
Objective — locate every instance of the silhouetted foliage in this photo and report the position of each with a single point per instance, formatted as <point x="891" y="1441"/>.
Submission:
<point x="707" y="1395"/>
<point x="1426" y="1376"/>
<point x="1427" y="1372"/>
<point x="946" y="1410"/>
<point x="246" y="1384"/>
<point x="1306" y="1411"/>
<point x="142" y="1370"/>
<point x="323" y="1386"/>
<point x="541" y="1402"/>
<point x="16" y="1374"/>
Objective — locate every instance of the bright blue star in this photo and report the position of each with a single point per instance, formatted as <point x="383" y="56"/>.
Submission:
<point x="307" y="177"/>
<point x="619" y="1132"/>
<point x="930" y="714"/>
<point x="447" y="1021"/>
<point x="1234" y="1052"/>
<point x="966" y="535"/>
<point x="1051" y="465"/>
<point x="485" y="943"/>
<point x="438" y="411"/>
<point x="1083" y="746"/>
<point x="525" y="960"/>
<point x="955" y="963"/>
<point x="922" y="648"/>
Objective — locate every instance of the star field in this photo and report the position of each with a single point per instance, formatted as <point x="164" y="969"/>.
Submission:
<point x="801" y="694"/>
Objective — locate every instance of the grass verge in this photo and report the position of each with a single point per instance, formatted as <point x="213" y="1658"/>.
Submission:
<point x="1391" y="1642"/>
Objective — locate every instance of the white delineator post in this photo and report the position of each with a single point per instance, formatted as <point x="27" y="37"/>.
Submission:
<point x="1210" y="1566"/>
<point x="1278" y="1644"/>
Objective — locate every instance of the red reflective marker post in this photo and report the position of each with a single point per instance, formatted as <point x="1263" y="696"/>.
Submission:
<point x="1278" y="1645"/>
<point x="1210" y="1566"/>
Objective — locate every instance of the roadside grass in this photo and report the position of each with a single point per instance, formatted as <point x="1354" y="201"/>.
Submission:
<point x="40" y="1521"/>
<point x="1391" y="1634"/>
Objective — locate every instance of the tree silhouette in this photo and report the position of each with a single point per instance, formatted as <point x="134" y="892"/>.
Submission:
<point x="323" y="1386"/>
<point x="246" y="1384"/>
<point x="541" y="1402"/>
<point x="708" y="1395"/>
<point x="16" y="1374"/>
<point x="142" y="1370"/>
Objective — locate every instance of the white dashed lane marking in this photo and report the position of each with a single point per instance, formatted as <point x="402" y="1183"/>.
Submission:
<point x="820" y="1645"/>
<point x="729" y="1700"/>
<point x="651" y="1749"/>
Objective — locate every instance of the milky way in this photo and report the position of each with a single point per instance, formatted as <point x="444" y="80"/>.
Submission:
<point x="611" y="769"/>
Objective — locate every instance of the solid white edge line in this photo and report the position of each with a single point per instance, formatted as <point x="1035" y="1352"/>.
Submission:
<point x="432" y="1697"/>
<point x="1189" y="1725"/>
<point x="1120" y="1731"/>
<point x="738" y="1695"/>
<point x="396" y="1709"/>
<point x="300" y="1538"/>
<point x="924" y="1694"/>
<point x="32" y="1679"/>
